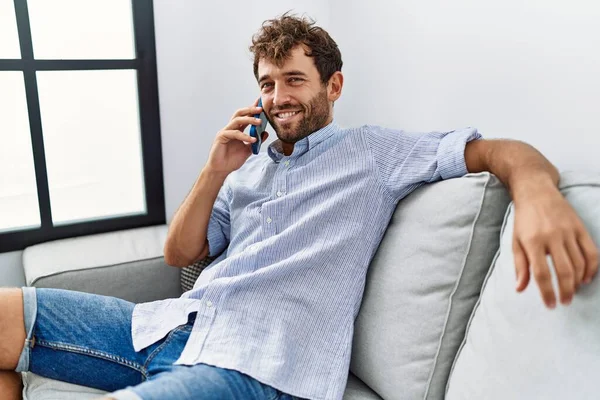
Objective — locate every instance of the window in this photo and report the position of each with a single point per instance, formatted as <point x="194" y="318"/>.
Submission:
<point x="80" y="148"/>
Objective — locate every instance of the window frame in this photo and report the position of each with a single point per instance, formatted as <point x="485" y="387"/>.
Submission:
<point x="145" y="65"/>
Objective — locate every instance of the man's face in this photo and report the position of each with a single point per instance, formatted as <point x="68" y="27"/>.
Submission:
<point x="294" y="99"/>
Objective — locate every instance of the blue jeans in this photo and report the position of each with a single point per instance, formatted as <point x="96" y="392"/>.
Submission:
<point x="86" y="339"/>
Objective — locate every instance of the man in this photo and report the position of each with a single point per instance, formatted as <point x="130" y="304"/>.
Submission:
<point x="298" y="226"/>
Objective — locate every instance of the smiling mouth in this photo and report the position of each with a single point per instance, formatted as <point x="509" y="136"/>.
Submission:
<point x="286" y="116"/>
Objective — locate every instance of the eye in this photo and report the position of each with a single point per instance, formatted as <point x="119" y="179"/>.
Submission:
<point x="296" y="80"/>
<point x="266" y="86"/>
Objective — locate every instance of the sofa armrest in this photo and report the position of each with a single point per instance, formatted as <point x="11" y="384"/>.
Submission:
<point x="127" y="264"/>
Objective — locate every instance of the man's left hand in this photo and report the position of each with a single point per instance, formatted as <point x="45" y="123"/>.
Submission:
<point x="546" y="224"/>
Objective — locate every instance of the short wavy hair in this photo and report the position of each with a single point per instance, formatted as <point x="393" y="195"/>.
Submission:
<point x="277" y="37"/>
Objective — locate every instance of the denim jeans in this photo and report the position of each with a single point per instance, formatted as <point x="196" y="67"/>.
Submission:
<point x="86" y="339"/>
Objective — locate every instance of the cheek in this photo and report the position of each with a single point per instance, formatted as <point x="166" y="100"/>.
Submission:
<point x="266" y="100"/>
<point x="267" y="107"/>
<point x="266" y="93"/>
<point x="307" y="105"/>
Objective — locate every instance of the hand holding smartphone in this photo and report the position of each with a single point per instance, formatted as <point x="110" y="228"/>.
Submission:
<point x="257" y="131"/>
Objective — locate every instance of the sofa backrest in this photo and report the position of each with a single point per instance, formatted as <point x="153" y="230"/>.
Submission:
<point x="114" y="264"/>
<point x="423" y="283"/>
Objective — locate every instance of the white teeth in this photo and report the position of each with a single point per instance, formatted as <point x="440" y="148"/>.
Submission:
<point x="287" y="114"/>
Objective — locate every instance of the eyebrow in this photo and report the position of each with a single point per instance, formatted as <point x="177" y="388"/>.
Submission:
<point x="289" y="73"/>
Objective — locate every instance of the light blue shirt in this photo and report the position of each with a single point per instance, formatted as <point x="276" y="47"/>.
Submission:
<point x="297" y="234"/>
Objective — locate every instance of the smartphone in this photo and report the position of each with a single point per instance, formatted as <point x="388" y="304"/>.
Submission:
<point x="257" y="130"/>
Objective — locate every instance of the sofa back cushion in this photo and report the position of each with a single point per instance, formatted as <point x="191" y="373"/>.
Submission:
<point x="515" y="348"/>
<point x="128" y="264"/>
<point x="423" y="284"/>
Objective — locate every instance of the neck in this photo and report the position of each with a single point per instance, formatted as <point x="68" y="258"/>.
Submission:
<point x="288" y="148"/>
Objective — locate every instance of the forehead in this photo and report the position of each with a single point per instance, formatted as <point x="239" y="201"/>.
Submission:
<point x="298" y="61"/>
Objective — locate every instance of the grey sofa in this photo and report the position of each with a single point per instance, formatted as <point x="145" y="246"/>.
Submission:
<point x="425" y="324"/>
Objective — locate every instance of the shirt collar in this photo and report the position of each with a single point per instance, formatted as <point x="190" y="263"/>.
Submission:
<point x="275" y="149"/>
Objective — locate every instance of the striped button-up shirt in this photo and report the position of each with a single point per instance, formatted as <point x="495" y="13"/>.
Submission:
<point x="297" y="234"/>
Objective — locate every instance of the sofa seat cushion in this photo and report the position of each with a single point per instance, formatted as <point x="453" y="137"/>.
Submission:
<point x="516" y="348"/>
<point x="357" y="390"/>
<point x="36" y="387"/>
<point x="128" y="264"/>
<point x="423" y="283"/>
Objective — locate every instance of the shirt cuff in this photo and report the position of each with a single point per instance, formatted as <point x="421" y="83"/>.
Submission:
<point x="216" y="238"/>
<point x="451" y="152"/>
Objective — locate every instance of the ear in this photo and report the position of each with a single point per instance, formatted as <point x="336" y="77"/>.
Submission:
<point x="334" y="86"/>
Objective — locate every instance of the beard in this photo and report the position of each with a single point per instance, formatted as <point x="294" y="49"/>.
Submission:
<point x="314" y="117"/>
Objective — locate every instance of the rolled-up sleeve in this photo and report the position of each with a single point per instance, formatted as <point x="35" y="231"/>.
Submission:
<point x="406" y="160"/>
<point x="219" y="226"/>
<point x="451" y="152"/>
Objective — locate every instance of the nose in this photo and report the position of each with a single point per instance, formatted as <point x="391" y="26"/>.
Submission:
<point x="280" y="95"/>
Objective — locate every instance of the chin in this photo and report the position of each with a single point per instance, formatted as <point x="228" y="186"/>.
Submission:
<point x="287" y="137"/>
<point x="286" y="134"/>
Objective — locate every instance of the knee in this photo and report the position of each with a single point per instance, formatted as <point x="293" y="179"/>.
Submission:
<point x="10" y="385"/>
<point x="11" y="309"/>
<point x="12" y="327"/>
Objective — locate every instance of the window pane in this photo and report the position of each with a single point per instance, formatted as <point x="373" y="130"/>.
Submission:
<point x="9" y="37"/>
<point x="18" y="190"/>
<point x="92" y="138"/>
<point x="75" y="29"/>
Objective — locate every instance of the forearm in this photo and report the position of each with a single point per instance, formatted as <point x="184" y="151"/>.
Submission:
<point x="186" y="240"/>
<point x="522" y="169"/>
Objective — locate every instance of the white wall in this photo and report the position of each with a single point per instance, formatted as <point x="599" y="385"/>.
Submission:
<point x="527" y="70"/>
<point x="205" y="74"/>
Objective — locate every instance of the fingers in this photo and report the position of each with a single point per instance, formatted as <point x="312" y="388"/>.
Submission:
<point x="566" y="269"/>
<point x="541" y="274"/>
<point x="229" y="135"/>
<point x="240" y="123"/>
<point x="247" y="111"/>
<point x="521" y="266"/>
<point x="590" y="253"/>
<point x="577" y="260"/>
<point x="565" y="273"/>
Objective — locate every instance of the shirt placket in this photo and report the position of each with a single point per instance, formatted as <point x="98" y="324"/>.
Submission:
<point x="271" y="211"/>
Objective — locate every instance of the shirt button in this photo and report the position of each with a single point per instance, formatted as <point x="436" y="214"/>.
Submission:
<point x="279" y="194"/>
<point x="209" y="304"/>
<point x="269" y="220"/>
<point x="287" y="163"/>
